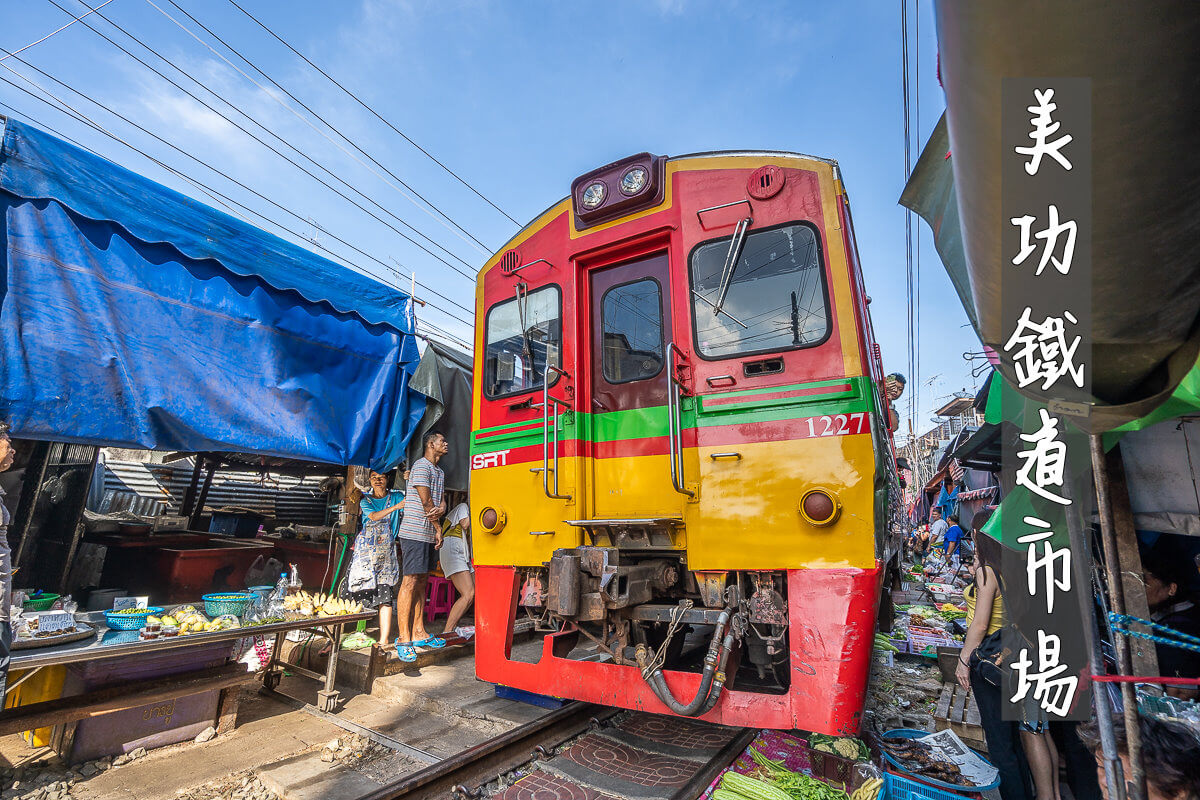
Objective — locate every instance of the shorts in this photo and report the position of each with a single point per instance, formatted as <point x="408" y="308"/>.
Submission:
<point x="384" y="594"/>
<point x="453" y="556"/>
<point x="417" y="557"/>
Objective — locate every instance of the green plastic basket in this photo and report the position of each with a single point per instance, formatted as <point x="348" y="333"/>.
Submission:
<point x="221" y="603"/>
<point x="43" y="602"/>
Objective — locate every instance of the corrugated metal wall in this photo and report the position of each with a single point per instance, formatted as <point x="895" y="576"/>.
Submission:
<point x="151" y="489"/>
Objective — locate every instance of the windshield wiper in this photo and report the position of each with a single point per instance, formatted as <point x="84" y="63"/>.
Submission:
<point x="719" y="311"/>
<point x="731" y="261"/>
<point x="522" y="308"/>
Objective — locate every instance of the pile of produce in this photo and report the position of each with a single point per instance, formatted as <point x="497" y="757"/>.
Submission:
<point x="774" y="781"/>
<point x="919" y="759"/>
<point x="187" y="620"/>
<point x="882" y="642"/>
<point x="949" y="611"/>
<point x="321" y="605"/>
<point x="844" y="746"/>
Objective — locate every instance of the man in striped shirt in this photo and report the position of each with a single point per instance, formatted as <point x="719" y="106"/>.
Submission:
<point x="419" y="537"/>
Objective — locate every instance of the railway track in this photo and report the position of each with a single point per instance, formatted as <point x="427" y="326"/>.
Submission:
<point x="582" y="751"/>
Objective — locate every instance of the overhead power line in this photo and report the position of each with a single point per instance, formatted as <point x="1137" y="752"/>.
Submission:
<point x="284" y="142"/>
<point x="47" y="127"/>
<point x="913" y="353"/>
<point x="438" y="333"/>
<point x="442" y="218"/>
<point x="373" y="112"/>
<point x="74" y="19"/>
<point x="101" y="129"/>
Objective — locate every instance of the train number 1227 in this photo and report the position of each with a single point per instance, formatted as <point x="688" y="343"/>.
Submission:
<point x="837" y="424"/>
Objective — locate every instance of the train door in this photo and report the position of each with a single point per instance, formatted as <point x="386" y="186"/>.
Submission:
<point x="630" y="324"/>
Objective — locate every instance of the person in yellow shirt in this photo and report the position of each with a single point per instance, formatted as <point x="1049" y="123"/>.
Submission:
<point x="1023" y="752"/>
<point x="455" y="560"/>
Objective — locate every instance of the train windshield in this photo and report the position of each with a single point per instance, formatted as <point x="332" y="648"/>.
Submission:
<point x="521" y="335"/>
<point x="776" y="296"/>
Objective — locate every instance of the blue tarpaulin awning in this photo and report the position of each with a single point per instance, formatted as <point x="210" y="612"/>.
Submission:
<point x="134" y="316"/>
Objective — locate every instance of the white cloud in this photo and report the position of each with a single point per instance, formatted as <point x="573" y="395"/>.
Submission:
<point x="670" y="8"/>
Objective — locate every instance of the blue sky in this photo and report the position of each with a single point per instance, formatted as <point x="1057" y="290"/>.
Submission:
<point x="518" y="97"/>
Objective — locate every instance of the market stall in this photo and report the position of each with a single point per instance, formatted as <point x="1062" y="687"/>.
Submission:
<point x="196" y="333"/>
<point x="1138" y="153"/>
<point x="151" y="676"/>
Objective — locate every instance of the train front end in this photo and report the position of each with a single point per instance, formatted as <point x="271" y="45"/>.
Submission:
<point x="680" y="463"/>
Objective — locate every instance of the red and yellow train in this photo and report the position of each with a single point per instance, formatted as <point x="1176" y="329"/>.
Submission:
<point x="681" y="462"/>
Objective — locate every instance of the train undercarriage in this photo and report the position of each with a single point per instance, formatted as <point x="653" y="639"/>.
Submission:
<point x="635" y="627"/>
<point x="649" y="610"/>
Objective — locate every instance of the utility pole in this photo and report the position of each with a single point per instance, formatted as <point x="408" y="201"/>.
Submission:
<point x="795" y="320"/>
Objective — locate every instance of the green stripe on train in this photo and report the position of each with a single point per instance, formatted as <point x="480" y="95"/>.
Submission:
<point x="646" y="423"/>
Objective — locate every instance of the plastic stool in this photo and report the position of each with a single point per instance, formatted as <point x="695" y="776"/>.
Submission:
<point x="439" y="597"/>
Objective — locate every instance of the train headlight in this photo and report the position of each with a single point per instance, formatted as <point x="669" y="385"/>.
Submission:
<point x="820" y="507"/>
<point x="634" y="181"/>
<point x="492" y="520"/>
<point x="594" y="195"/>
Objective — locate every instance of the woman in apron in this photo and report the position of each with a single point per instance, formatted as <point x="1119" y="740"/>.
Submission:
<point x="374" y="570"/>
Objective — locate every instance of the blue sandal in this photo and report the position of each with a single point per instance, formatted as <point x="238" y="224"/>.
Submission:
<point x="406" y="652"/>
<point x="432" y="642"/>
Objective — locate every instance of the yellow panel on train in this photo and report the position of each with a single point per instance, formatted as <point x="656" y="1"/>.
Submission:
<point x="747" y="517"/>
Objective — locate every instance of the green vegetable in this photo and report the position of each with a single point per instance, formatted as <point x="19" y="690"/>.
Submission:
<point x="884" y="643"/>
<point x="749" y="787"/>
<point x="725" y="794"/>
<point x="763" y="761"/>
<point x="846" y="748"/>
<point x="795" y="785"/>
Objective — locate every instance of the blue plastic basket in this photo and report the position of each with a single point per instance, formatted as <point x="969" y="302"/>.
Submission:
<point x="957" y="791"/>
<point x="899" y="787"/>
<point x="235" y="604"/>
<point x="130" y="622"/>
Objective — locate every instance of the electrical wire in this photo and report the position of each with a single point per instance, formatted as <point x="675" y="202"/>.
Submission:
<point x="101" y="129"/>
<point x="373" y="112"/>
<point x="444" y="220"/>
<point x="74" y="19"/>
<point x="908" y="255"/>
<point x="916" y="130"/>
<point x="448" y="338"/>
<point x="44" y="126"/>
<point x="278" y="138"/>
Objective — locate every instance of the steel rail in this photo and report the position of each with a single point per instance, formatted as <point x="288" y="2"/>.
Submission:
<point x="482" y="763"/>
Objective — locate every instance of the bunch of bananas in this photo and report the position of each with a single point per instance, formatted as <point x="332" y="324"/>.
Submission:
<point x="323" y="605"/>
<point x="336" y="606"/>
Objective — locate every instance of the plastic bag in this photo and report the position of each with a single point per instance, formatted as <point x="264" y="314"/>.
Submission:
<point x="254" y="652"/>
<point x="272" y="571"/>
<point x="254" y="575"/>
<point x="65" y="603"/>
<point x="227" y="622"/>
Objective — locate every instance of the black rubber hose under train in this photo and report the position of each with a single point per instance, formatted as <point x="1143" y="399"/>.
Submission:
<point x="699" y="704"/>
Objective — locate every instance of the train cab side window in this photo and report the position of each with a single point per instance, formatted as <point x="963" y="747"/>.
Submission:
<point x="633" y="331"/>
<point x="521" y="334"/>
<point x="774" y="296"/>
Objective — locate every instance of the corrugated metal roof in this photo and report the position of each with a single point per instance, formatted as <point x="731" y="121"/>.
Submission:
<point x="152" y="489"/>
